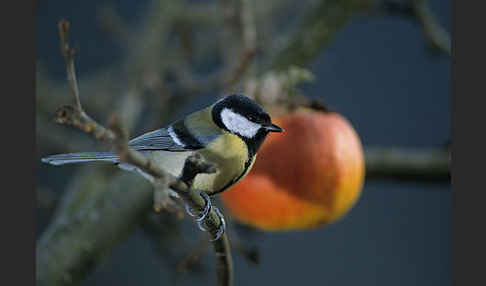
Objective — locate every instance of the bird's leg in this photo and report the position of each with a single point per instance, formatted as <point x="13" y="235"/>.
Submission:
<point x="206" y="210"/>
<point x="200" y="218"/>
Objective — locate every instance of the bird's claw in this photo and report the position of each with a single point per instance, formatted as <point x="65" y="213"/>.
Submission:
<point x="222" y="226"/>
<point x="200" y="218"/>
<point x="207" y="208"/>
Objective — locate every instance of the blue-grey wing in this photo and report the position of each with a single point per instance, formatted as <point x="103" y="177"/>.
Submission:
<point x="158" y="140"/>
<point x="177" y="137"/>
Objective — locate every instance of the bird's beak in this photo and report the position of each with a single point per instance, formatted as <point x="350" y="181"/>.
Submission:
<point x="273" y="128"/>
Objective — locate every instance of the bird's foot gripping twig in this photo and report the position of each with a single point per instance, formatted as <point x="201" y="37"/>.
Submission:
<point x="202" y="215"/>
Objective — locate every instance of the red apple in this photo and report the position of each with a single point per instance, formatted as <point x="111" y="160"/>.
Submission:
<point x="309" y="175"/>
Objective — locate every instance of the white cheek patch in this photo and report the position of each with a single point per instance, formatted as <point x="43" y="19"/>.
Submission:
<point x="174" y="137"/>
<point x="239" y="124"/>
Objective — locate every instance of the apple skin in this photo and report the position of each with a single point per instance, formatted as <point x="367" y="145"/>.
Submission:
<point x="310" y="175"/>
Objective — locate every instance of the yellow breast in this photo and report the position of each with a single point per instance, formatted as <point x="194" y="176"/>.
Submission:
<point x="231" y="163"/>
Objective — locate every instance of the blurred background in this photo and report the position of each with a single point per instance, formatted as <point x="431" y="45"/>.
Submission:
<point x="384" y="65"/>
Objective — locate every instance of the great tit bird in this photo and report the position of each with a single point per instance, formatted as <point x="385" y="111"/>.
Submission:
<point x="228" y="133"/>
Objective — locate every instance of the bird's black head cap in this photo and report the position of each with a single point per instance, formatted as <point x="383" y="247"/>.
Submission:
<point x="242" y="116"/>
<point x="243" y="106"/>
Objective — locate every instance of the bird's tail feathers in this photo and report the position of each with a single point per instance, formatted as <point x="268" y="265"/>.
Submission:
<point x="61" y="159"/>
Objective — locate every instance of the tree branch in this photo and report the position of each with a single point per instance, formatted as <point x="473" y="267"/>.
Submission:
<point x="194" y="165"/>
<point x="69" y="270"/>
<point x="413" y="164"/>
<point x="435" y="34"/>
<point x="318" y="29"/>
<point x="419" y="10"/>
<point x="248" y="49"/>
<point x="80" y="237"/>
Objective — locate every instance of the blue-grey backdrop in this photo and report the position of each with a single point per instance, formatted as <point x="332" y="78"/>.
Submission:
<point x="379" y="75"/>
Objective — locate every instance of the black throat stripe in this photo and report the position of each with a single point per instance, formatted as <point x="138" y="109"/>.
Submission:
<point x="232" y="182"/>
<point x="185" y="136"/>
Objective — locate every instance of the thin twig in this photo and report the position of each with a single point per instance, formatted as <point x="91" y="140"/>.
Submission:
<point x="68" y="114"/>
<point x="69" y="54"/>
<point x="75" y="116"/>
